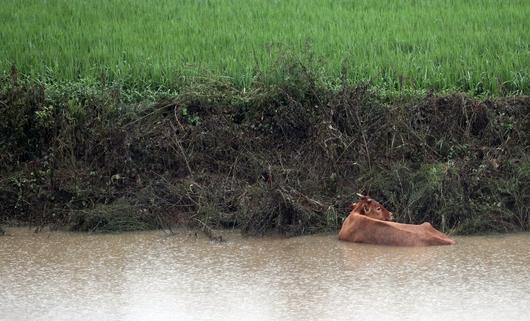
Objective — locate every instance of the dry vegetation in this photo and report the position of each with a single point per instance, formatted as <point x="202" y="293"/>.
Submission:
<point x="279" y="156"/>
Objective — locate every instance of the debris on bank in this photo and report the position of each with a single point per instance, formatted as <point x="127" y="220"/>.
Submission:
<point x="280" y="157"/>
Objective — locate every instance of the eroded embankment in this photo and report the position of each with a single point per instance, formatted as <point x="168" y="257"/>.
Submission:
<point x="285" y="157"/>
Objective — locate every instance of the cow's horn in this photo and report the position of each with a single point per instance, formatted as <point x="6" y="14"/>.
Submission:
<point x="360" y="195"/>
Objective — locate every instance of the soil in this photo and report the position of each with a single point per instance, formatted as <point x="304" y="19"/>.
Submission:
<point x="285" y="157"/>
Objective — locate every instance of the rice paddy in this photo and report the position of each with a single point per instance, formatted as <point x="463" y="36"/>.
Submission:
<point x="479" y="46"/>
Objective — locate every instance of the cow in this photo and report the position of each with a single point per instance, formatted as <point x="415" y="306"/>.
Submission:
<point x="370" y="222"/>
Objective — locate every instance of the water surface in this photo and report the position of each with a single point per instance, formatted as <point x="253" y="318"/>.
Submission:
<point x="151" y="276"/>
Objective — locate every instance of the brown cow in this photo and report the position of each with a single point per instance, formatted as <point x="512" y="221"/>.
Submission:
<point x="370" y="222"/>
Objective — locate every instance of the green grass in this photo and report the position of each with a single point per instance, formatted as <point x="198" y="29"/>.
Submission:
<point x="478" y="46"/>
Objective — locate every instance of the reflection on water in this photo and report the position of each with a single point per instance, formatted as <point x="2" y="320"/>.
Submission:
<point x="150" y="276"/>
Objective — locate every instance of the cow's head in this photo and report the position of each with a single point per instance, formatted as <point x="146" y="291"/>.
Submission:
<point x="371" y="208"/>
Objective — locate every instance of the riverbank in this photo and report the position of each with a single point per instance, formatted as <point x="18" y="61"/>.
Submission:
<point x="286" y="156"/>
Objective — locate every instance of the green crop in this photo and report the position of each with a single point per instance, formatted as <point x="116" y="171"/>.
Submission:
<point x="478" y="46"/>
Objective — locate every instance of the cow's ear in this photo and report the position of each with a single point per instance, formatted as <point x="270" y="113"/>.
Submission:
<point x="365" y="209"/>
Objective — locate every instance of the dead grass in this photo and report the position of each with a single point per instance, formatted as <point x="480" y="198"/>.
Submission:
<point x="285" y="156"/>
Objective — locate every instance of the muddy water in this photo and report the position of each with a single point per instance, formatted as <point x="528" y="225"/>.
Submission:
<point x="149" y="276"/>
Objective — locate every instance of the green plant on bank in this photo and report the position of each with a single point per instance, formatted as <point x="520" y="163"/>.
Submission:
<point x="119" y="216"/>
<point x="480" y="47"/>
<point x="192" y="119"/>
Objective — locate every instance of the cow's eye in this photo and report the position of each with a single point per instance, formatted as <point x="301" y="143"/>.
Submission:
<point x="378" y="208"/>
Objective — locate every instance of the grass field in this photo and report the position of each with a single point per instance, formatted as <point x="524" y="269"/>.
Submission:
<point x="478" y="46"/>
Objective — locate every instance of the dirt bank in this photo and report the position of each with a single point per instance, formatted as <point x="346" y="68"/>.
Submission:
<point x="286" y="156"/>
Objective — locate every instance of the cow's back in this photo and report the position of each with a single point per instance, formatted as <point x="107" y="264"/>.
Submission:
<point x="362" y="229"/>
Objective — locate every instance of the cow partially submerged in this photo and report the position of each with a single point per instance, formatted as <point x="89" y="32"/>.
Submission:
<point x="370" y="222"/>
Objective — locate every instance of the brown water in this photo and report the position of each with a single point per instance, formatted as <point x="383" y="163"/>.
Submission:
<point x="150" y="276"/>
